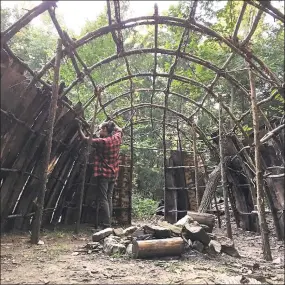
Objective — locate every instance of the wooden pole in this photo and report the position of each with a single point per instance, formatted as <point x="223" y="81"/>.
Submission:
<point x="97" y="92"/>
<point x="232" y="105"/>
<point x="198" y="192"/>
<point x="47" y="149"/>
<point x="223" y="172"/>
<point x="258" y="170"/>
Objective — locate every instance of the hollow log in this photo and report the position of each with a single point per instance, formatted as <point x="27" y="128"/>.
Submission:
<point x="203" y="218"/>
<point x="158" y="248"/>
<point x="178" y="158"/>
<point x="170" y="196"/>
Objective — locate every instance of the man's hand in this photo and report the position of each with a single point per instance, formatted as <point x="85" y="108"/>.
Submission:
<point x="81" y="134"/>
<point x="79" y="123"/>
<point x="118" y="129"/>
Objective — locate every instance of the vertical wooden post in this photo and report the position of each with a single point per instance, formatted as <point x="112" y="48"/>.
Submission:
<point x="223" y="171"/>
<point x="198" y="192"/>
<point x="232" y="104"/>
<point x="218" y="211"/>
<point x="258" y="172"/>
<point x="47" y="149"/>
<point x="97" y="92"/>
<point x="165" y="164"/>
<point x="132" y="153"/>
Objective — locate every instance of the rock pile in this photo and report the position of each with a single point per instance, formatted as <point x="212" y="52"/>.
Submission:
<point x="163" y="239"/>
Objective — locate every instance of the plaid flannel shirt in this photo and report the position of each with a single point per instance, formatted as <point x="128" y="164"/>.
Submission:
<point x="106" y="158"/>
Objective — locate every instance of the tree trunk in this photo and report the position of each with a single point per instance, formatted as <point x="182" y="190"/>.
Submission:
<point x="211" y="186"/>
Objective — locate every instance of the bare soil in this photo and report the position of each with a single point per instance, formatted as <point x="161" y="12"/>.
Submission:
<point x="55" y="262"/>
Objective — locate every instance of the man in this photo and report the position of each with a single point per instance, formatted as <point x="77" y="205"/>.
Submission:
<point x="106" y="165"/>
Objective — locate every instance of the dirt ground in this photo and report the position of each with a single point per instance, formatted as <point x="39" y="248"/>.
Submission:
<point x="55" y="262"/>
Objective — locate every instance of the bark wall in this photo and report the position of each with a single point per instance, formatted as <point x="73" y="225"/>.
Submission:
<point x="23" y="125"/>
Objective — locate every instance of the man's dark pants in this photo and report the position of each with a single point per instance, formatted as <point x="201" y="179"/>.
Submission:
<point x="105" y="188"/>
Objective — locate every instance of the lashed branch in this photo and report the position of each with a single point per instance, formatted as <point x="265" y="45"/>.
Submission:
<point x="269" y="9"/>
<point x="155" y="58"/>
<point x="202" y="135"/>
<point x="253" y="28"/>
<point x="220" y="71"/>
<point x="161" y="90"/>
<point x="259" y="104"/>
<point x="272" y="133"/>
<point x="239" y="21"/>
<point x="23" y="21"/>
<point x="185" y="80"/>
<point x="62" y="35"/>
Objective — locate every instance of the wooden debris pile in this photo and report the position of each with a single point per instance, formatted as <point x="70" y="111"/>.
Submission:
<point x="191" y="233"/>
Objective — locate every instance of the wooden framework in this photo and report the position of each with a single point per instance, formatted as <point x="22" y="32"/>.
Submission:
<point x="23" y="119"/>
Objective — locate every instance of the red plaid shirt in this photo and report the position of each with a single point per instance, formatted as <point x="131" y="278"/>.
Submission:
<point x="106" y="158"/>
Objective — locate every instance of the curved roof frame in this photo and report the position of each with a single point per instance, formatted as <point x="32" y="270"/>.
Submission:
<point x="189" y="24"/>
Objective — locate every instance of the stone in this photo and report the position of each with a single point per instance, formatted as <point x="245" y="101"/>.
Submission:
<point x="118" y="232"/>
<point x="102" y="234"/>
<point x="195" y="232"/>
<point x="198" y="246"/>
<point x="227" y="246"/>
<point x="236" y="280"/>
<point x="206" y="228"/>
<point x="277" y="260"/>
<point x="157" y="231"/>
<point x="137" y="232"/>
<point x="111" y="246"/>
<point x="116" y="238"/>
<point x="144" y="237"/>
<point x="183" y="221"/>
<point x="40" y="242"/>
<point x="125" y="241"/>
<point x="214" y="247"/>
<point x="129" y="250"/>
<point x="190" y="243"/>
<point x="175" y="230"/>
<point x="130" y="230"/>
<point x="92" y="245"/>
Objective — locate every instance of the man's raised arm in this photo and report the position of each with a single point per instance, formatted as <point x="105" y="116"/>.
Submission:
<point x="82" y="135"/>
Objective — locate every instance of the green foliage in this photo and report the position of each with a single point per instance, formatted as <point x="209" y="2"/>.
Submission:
<point x="143" y="207"/>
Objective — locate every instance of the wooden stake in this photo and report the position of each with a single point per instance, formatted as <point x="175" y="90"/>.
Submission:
<point x="46" y="157"/>
<point x="223" y="172"/>
<point x="258" y="170"/>
<point x="97" y="92"/>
